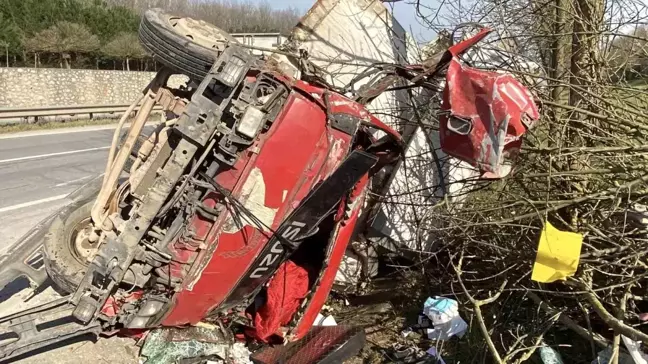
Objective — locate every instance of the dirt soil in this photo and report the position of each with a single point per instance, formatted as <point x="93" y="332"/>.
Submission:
<point x="112" y="350"/>
<point x="387" y="306"/>
<point x="391" y="304"/>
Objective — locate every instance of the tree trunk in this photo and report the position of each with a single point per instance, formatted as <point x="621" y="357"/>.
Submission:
<point x="561" y="46"/>
<point x="585" y="57"/>
<point x="585" y="74"/>
<point x="35" y="60"/>
<point x="127" y="64"/>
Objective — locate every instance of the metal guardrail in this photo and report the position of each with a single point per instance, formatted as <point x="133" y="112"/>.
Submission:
<point x="35" y="112"/>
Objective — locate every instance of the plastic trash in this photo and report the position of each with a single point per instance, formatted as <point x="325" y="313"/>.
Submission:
<point x="558" y="254"/>
<point x="423" y="323"/>
<point x="634" y="348"/>
<point x="444" y="314"/>
<point x="322" y="320"/>
<point x="434" y="353"/>
<point x="643" y="316"/>
<point x="549" y="355"/>
<point x="605" y="356"/>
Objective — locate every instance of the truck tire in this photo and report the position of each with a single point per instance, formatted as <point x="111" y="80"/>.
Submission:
<point x="185" y="45"/>
<point x="65" y="260"/>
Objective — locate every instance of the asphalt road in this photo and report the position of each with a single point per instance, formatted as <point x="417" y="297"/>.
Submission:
<point x="37" y="170"/>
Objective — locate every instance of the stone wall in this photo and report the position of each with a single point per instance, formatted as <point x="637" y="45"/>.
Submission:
<point x="33" y="87"/>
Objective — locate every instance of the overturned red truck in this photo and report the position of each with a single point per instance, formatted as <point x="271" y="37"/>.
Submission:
<point x="238" y="209"/>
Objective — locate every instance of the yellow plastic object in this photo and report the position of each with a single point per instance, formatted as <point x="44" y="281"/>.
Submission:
<point x="558" y="254"/>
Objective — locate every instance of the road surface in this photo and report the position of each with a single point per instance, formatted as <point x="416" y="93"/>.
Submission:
<point x="37" y="170"/>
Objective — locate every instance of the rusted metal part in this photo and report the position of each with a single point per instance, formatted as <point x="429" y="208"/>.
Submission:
<point x="170" y="102"/>
<point x="145" y="168"/>
<point x="264" y="180"/>
<point x="110" y="181"/>
<point x="39" y="327"/>
<point x="195" y="128"/>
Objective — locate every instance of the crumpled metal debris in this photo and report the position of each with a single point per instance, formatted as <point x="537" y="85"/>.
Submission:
<point x="485" y="115"/>
<point x="170" y="345"/>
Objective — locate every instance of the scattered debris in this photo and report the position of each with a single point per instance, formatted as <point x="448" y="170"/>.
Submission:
<point x="558" y="254"/>
<point x="423" y="323"/>
<point x="444" y="313"/>
<point x="634" y="348"/>
<point x="549" y="355"/>
<point x="605" y="357"/>
<point x="359" y="263"/>
<point x="322" y="320"/>
<point x="435" y="354"/>
<point x="404" y="354"/>
<point x="238" y="354"/>
<point x="169" y="345"/>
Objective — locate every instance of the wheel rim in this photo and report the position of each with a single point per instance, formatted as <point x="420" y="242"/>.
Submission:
<point x="200" y="32"/>
<point x="79" y="243"/>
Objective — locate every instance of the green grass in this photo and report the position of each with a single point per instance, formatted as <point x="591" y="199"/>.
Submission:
<point x="15" y="128"/>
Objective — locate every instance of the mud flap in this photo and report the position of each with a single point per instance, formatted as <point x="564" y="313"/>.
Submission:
<point x="39" y="327"/>
<point x="322" y="345"/>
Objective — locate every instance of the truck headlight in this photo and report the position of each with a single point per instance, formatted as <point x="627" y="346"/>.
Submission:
<point x="232" y="71"/>
<point x="250" y="121"/>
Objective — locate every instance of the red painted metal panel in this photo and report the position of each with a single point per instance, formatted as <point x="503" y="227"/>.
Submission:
<point x="486" y="115"/>
<point x="344" y="232"/>
<point x="296" y="152"/>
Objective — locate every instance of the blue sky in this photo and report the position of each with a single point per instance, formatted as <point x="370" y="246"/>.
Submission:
<point x="405" y="14"/>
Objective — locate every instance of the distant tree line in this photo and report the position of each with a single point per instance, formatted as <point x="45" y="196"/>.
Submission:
<point x="103" y="33"/>
<point x="233" y="16"/>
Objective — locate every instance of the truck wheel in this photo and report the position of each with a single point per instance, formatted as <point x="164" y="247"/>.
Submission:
<point x="67" y="247"/>
<point x="186" y="45"/>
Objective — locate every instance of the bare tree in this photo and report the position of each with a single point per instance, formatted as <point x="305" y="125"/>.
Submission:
<point x="582" y="169"/>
